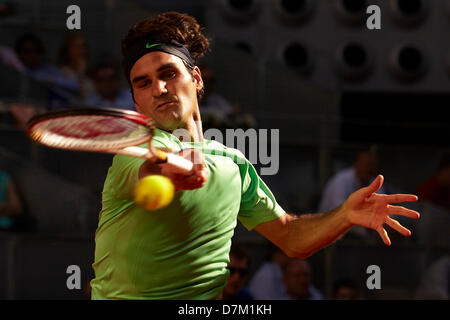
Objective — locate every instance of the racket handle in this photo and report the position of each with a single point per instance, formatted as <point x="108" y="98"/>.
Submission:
<point x="137" y="152"/>
<point x="178" y="163"/>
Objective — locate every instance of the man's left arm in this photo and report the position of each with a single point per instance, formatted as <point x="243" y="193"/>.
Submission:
<point x="301" y="236"/>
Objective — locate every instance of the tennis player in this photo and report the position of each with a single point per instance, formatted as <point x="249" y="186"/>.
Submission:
<point x="181" y="251"/>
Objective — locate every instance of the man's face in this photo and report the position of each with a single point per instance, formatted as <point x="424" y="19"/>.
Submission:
<point x="238" y="275"/>
<point x="107" y="83"/>
<point x="366" y="167"/>
<point x="346" y="293"/>
<point x="78" y="48"/>
<point x="297" y="278"/>
<point x="30" y="55"/>
<point x="445" y="176"/>
<point x="165" y="90"/>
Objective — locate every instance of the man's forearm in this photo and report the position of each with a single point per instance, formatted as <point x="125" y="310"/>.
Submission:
<point x="311" y="232"/>
<point x="302" y="236"/>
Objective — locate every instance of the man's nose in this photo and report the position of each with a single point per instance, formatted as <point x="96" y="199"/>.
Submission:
<point x="159" y="88"/>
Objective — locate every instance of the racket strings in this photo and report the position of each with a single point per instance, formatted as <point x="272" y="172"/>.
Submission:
<point x="90" y="132"/>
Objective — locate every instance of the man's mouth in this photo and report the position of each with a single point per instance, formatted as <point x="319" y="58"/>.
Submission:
<point x="165" y="105"/>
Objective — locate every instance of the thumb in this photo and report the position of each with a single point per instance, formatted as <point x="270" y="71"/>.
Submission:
<point x="373" y="187"/>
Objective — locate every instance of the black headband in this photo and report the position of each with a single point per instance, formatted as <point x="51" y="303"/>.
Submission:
<point x="144" y="46"/>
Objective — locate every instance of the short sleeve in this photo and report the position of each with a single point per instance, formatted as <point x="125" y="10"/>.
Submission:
<point x="123" y="176"/>
<point x="258" y="204"/>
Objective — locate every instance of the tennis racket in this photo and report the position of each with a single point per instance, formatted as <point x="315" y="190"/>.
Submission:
<point x="102" y="130"/>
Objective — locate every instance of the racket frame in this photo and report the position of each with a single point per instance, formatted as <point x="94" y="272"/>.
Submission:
<point x="178" y="163"/>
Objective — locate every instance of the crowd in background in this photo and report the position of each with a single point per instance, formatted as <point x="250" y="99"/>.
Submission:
<point x="72" y="80"/>
<point x="284" y="278"/>
<point x="75" y="80"/>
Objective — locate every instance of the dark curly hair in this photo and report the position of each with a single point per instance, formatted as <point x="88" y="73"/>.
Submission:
<point x="169" y="26"/>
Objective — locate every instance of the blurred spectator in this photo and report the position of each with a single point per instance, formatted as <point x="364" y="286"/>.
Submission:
<point x="14" y="211"/>
<point x="21" y="113"/>
<point x="9" y="58"/>
<point x="215" y="109"/>
<point x="109" y="94"/>
<point x="297" y="278"/>
<point x="238" y="267"/>
<point x="217" y="112"/>
<point x="10" y="204"/>
<point x="345" y="289"/>
<point x="436" y="189"/>
<point x="435" y="282"/>
<point x="30" y="50"/>
<point x="73" y="61"/>
<point x="347" y="181"/>
<point x="87" y="290"/>
<point x="267" y="283"/>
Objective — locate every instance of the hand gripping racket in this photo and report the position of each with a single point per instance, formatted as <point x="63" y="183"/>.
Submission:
<point x="102" y="130"/>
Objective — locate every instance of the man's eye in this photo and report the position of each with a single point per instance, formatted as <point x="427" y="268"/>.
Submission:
<point x="143" y="84"/>
<point x="168" y="75"/>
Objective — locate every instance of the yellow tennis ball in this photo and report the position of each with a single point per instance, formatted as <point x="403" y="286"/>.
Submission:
<point x="153" y="192"/>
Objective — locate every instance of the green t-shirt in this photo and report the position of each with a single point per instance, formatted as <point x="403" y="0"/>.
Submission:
<point x="180" y="251"/>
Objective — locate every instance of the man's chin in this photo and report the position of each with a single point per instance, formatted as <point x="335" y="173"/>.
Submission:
<point x="168" y="125"/>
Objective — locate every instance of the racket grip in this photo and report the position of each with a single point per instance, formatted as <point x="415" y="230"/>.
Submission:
<point x="134" y="152"/>
<point x="179" y="163"/>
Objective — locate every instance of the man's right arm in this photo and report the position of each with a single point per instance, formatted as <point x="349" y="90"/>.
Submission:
<point x="303" y="235"/>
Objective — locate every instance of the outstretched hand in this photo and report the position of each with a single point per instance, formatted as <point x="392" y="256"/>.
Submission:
<point x="372" y="210"/>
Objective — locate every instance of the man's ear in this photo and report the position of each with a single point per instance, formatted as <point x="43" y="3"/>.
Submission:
<point x="197" y="75"/>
